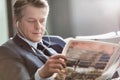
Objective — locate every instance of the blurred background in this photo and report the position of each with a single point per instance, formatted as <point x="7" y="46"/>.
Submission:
<point x="69" y="18"/>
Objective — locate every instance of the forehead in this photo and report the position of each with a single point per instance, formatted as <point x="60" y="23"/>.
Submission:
<point x="31" y="11"/>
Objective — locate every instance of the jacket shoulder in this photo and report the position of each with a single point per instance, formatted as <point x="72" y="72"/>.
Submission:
<point x="54" y="39"/>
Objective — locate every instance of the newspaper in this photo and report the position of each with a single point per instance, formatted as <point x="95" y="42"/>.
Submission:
<point x="89" y="60"/>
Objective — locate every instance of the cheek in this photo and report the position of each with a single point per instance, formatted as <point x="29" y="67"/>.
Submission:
<point x="44" y="30"/>
<point x="27" y="30"/>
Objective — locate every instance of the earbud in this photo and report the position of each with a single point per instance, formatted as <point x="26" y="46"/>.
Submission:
<point x="47" y="34"/>
<point x="17" y="24"/>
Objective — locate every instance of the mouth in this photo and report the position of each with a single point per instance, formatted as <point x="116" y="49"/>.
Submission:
<point x="37" y="33"/>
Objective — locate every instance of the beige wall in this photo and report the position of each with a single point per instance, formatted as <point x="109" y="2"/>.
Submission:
<point x="70" y="18"/>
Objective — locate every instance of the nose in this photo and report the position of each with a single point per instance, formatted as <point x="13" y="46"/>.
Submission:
<point x="37" y="25"/>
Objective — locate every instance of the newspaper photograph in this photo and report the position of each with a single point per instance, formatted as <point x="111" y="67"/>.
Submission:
<point x="86" y="59"/>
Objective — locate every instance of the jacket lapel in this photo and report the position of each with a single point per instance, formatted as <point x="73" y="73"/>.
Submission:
<point x="21" y="43"/>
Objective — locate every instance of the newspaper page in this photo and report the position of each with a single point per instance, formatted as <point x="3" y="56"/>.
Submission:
<point x="86" y="59"/>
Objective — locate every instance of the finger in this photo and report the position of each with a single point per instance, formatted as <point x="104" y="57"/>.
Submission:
<point x="56" y="70"/>
<point x="57" y="66"/>
<point x="57" y="61"/>
<point x="59" y="56"/>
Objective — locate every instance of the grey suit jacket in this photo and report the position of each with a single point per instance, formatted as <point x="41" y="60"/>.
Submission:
<point x="18" y="61"/>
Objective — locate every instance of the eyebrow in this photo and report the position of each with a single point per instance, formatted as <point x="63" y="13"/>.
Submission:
<point x="34" y="18"/>
<point x="30" y="18"/>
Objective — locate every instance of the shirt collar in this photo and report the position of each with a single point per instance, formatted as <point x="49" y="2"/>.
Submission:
<point x="34" y="44"/>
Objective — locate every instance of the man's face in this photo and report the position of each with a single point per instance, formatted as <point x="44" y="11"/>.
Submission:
<point x="32" y="25"/>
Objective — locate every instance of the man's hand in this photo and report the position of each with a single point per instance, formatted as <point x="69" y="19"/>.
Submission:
<point x="55" y="64"/>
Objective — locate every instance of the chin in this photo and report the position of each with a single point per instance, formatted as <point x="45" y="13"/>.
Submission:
<point x="37" y="40"/>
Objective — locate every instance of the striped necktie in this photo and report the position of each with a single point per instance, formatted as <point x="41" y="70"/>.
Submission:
<point x="40" y="55"/>
<point x="45" y="49"/>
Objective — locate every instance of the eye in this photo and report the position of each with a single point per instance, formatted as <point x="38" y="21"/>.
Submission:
<point x="42" y="21"/>
<point x="31" y="21"/>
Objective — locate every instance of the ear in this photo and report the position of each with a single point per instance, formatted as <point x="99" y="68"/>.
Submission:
<point x="15" y="22"/>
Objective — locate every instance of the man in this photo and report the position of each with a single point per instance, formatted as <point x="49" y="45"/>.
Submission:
<point x="29" y="55"/>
